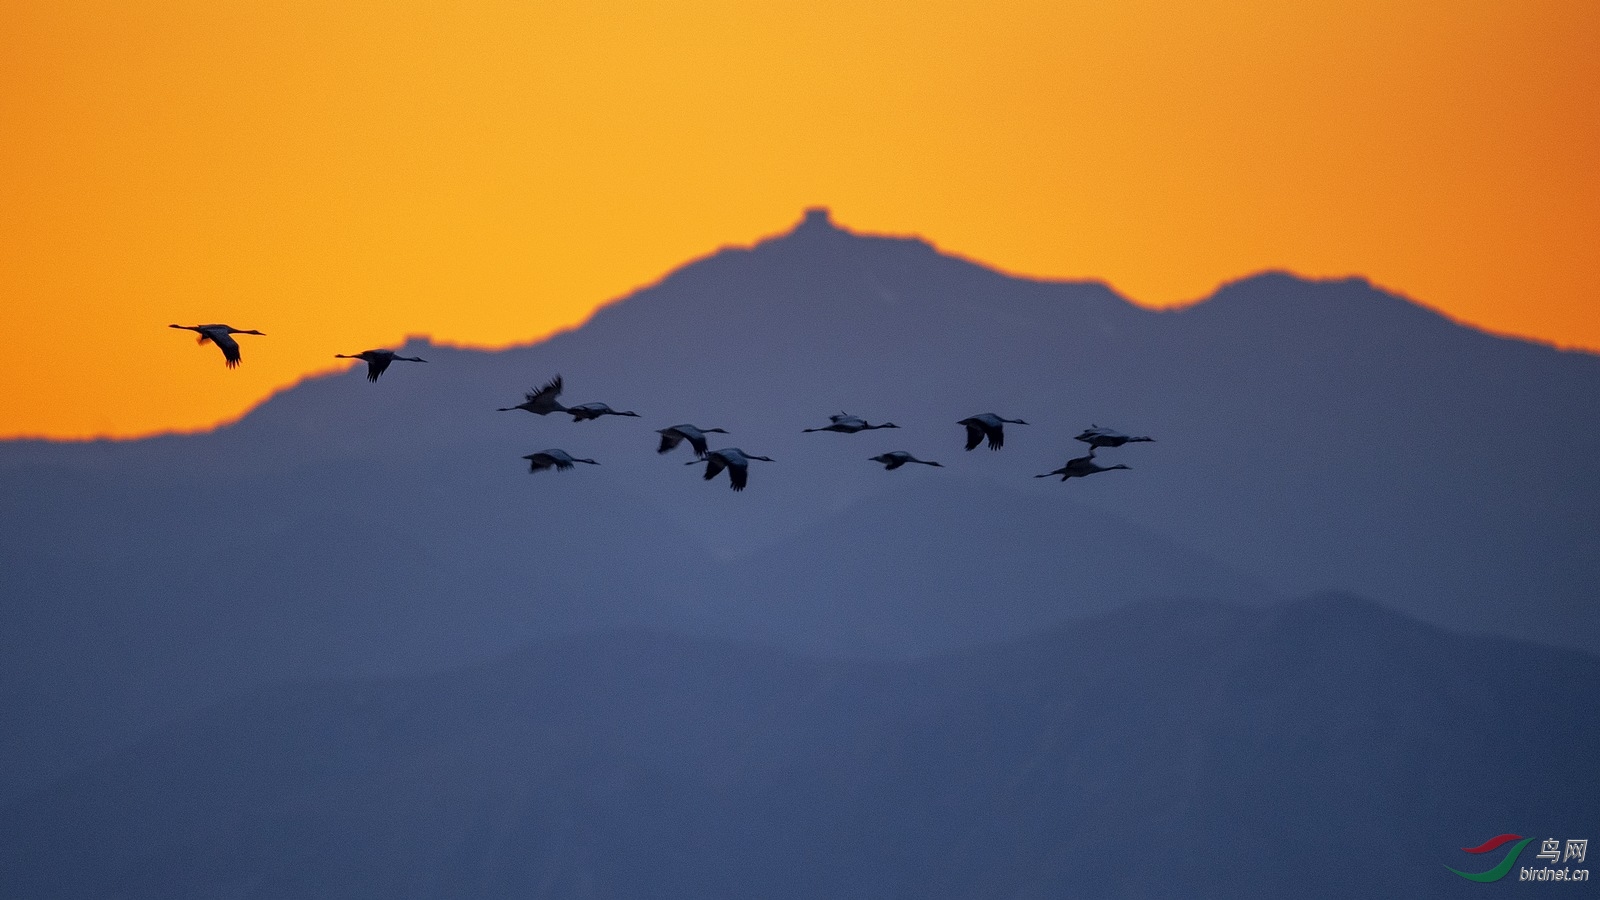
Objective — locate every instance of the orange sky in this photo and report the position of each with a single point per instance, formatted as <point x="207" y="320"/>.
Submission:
<point x="341" y="175"/>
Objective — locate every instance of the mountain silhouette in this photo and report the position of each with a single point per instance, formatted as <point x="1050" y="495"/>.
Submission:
<point x="1311" y="435"/>
<point x="1326" y="748"/>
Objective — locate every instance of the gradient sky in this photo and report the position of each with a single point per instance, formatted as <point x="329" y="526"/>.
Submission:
<point x="343" y="175"/>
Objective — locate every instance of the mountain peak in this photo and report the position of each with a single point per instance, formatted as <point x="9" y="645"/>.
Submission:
<point x="1346" y="303"/>
<point x="816" y="219"/>
<point x="820" y="238"/>
<point x="817" y="229"/>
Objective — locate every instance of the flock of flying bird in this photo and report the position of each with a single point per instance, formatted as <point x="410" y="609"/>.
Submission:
<point x="542" y="401"/>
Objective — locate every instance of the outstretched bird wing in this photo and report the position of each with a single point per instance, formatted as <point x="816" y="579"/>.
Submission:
<point x="738" y="474"/>
<point x="974" y="435"/>
<point x="546" y="394"/>
<point x="376" y="365"/>
<point x="545" y="460"/>
<point x="225" y="343"/>
<point x="671" y="438"/>
<point x="715" y="464"/>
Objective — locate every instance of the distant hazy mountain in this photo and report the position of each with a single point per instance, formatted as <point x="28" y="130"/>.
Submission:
<point x="1311" y="436"/>
<point x="1326" y="749"/>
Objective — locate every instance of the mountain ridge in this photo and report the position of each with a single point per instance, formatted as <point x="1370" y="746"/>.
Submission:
<point x="344" y="525"/>
<point x="815" y="230"/>
<point x="595" y="765"/>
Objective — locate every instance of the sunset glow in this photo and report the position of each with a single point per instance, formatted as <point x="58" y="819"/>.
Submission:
<point x="342" y="176"/>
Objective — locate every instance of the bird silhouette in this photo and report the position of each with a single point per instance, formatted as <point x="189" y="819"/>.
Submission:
<point x="541" y="401"/>
<point x="221" y="335"/>
<point x="987" y="425"/>
<point x="377" y="360"/>
<point x="844" y="423"/>
<point x="1095" y="436"/>
<point x="586" y="412"/>
<point x="894" y="459"/>
<point x="736" y="461"/>
<point x="1080" y="467"/>
<point x="560" y="460"/>
<point x="677" y="434"/>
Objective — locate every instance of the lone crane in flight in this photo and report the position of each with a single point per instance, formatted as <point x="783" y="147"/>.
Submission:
<point x="1095" y="437"/>
<point x="377" y="360"/>
<point x="844" y="423"/>
<point x="736" y="461"/>
<point x="987" y="425"/>
<point x="677" y="434"/>
<point x="221" y="335"/>
<point x="560" y="460"/>
<point x="1081" y="467"/>
<point x="541" y="401"/>
<point x="588" y="412"/>
<point x="894" y="459"/>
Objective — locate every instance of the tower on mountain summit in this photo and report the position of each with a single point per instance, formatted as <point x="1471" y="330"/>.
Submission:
<point x="817" y="218"/>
